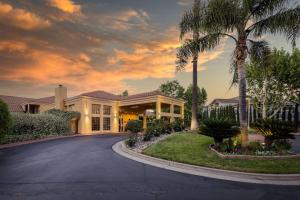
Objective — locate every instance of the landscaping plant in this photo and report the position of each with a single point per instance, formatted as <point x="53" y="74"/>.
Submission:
<point x="177" y="125"/>
<point x="274" y="130"/>
<point x="5" y="118"/>
<point x="133" y="126"/>
<point x="219" y="129"/>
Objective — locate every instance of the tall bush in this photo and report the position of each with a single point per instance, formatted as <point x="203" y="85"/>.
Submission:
<point x="274" y="130"/>
<point x="45" y="124"/>
<point x="134" y="126"/>
<point x="5" y="118"/>
<point x="219" y="129"/>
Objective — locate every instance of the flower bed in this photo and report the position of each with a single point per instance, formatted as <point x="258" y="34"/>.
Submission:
<point x="257" y="155"/>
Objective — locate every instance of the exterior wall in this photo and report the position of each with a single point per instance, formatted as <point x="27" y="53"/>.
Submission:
<point x="84" y="106"/>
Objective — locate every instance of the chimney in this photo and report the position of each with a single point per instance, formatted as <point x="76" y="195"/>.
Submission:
<point x="60" y="95"/>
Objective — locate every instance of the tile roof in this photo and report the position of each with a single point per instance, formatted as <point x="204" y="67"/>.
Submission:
<point x="101" y="95"/>
<point x="15" y="103"/>
<point x="109" y="96"/>
<point x="145" y="94"/>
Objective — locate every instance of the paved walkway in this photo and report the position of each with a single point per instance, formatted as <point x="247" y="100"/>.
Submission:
<point x="87" y="168"/>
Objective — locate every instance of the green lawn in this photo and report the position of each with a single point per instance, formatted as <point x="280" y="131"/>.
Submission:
<point x="192" y="148"/>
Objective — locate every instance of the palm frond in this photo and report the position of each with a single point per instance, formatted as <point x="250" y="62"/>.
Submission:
<point x="191" y="48"/>
<point x="286" y="23"/>
<point x="233" y="70"/>
<point x="192" y="19"/>
<point x="223" y="15"/>
<point x="262" y="8"/>
<point x="184" y="53"/>
<point x="259" y="50"/>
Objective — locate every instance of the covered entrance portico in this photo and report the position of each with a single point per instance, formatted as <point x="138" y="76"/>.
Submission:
<point x="152" y="107"/>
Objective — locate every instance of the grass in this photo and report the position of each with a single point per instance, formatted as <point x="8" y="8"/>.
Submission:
<point x="192" y="148"/>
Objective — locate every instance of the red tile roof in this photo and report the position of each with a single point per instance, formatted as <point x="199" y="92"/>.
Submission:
<point x="109" y="96"/>
<point x="15" y="103"/>
<point x="101" y="95"/>
<point x="145" y="94"/>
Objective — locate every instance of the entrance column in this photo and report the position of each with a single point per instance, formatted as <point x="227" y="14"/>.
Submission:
<point x="115" y="117"/>
<point x="182" y="111"/>
<point x="158" y="109"/>
<point x="144" y="120"/>
<point x="172" y="112"/>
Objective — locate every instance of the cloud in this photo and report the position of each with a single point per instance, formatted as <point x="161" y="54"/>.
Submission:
<point x="67" y="6"/>
<point x="21" y="18"/>
<point x="126" y="19"/>
<point x="12" y="46"/>
<point x="84" y="57"/>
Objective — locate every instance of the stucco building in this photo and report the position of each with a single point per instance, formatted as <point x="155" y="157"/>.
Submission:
<point x="102" y="111"/>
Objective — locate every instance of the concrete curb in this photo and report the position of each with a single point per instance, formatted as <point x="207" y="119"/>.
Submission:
<point x="272" y="179"/>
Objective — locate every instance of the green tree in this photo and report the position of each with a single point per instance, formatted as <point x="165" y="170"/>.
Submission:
<point x="125" y="93"/>
<point x="243" y="21"/>
<point x="5" y="118"/>
<point x="274" y="81"/>
<point x="172" y="88"/>
<point x="188" y="97"/>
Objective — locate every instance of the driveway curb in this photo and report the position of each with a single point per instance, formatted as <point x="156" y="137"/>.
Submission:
<point x="272" y="179"/>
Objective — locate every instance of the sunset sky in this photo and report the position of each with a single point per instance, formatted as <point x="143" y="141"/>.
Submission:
<point x="109" y="45"/>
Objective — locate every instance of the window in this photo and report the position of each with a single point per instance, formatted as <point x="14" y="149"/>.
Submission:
<point x="177" y="109"/>
<point x="106" y="123"/>
<point x="95" y="123"/>
<point x="165" y="108"/>
<point x="96" y="108"/>
<point x="106" y="110"/>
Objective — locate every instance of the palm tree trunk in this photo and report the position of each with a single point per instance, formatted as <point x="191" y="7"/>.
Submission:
<point x="241" y="56"/>
<point x="194" y="122"/>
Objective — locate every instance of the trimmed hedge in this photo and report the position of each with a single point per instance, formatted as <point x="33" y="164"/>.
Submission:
<point x="43" y="123"/>
<point x="5" y="118"/>
<point x="26" y="126"/>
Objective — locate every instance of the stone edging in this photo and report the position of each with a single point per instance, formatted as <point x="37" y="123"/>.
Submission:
<point x="273" y="179"/>
<point x="251" y="157"/>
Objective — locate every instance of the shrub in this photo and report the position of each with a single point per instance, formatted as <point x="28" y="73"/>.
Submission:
<point x="255" y="146"/>
<point x="43" y="123"/>
<point x="219" y="129"/>
<point x="282" y="145"/>
<point x="177" y="125"/>
<point x="65" y="115"/>
<point x="149" y="133"/>
<point x="131" y="141"/>
<point x="274" y="130"/>
<point x="134" y="126"/>
<point x="5" y="118"/>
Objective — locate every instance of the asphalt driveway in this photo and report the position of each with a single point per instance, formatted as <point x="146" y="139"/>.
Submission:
<point x="86" y="168"/>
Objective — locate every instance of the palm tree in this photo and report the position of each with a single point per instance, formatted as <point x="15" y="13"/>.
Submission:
<point x="190" y="23"/>
<point x="244" y="21"/>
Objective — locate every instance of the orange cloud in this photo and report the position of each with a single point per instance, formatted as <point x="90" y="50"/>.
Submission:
<point x="154" y="59"/>
<point x="12" y="46"/>
<point x="84" y="57"/>
<point x="65" y="5"/>
<point x="126" y="19"/>
<point x="21" y="18"/>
